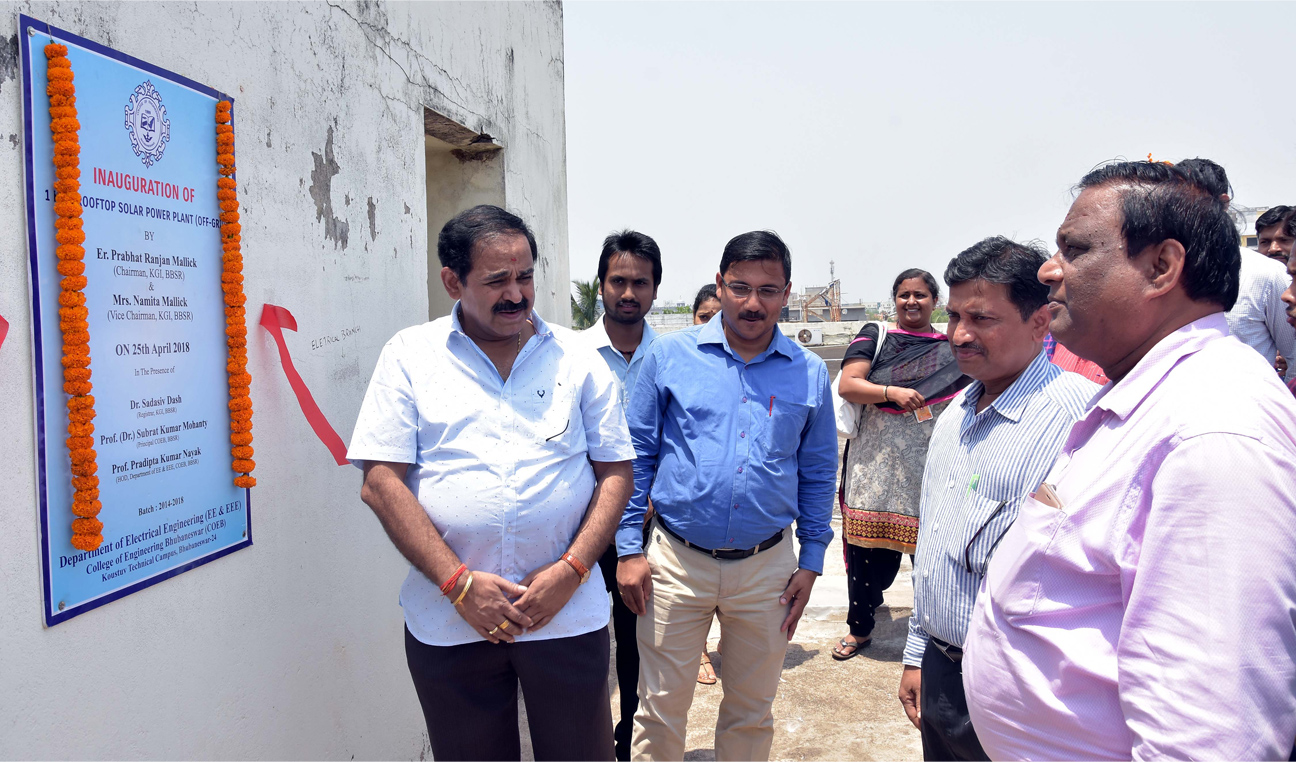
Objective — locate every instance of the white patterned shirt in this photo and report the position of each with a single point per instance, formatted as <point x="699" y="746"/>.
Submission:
<point x="980" y="467"/>
<point x="501" y="467"/>
<point x="1259" y="318"/>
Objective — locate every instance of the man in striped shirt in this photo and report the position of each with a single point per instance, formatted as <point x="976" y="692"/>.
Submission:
<point x="988" y="451"/>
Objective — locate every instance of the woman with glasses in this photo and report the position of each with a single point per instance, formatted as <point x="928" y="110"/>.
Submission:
<point x="902" y="385"/>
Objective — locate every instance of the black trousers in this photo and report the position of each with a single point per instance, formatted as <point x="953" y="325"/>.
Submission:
<point x="946" y="727"/>
<point x="627" y="655"/>
<point x="469" y="697"/>
<point x="869" y="572"/>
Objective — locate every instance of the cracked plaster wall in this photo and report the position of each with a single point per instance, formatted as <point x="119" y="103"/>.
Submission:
<point x="291" y="648"/>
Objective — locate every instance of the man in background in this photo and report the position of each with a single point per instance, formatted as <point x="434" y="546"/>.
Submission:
<point x="1258" y="319"/>
<point x="1276" y="232"/>
<point x="629" y="272"/>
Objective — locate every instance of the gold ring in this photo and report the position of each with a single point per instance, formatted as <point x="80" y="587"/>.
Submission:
<point x="504" y="625"/>
<point x="493" y="631"/>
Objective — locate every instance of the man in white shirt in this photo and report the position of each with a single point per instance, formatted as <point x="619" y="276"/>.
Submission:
<point x="1259" y="317"/>
<point x="629" y="272"/>
<point x="496" y="455"/>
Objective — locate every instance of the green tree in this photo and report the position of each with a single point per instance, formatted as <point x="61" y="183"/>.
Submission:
<point x="682" y="309"/>
<point x="584" y="304"/>
<point x="939" y="315"/>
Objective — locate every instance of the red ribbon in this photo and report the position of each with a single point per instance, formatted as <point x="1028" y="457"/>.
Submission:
<point x="274" y="319"/>
<point x="4" y="330"/>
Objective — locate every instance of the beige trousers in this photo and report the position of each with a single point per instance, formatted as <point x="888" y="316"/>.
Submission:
<point x="689" y="588"/>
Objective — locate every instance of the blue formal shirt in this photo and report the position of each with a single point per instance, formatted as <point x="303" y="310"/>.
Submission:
<point x="730" y="451"/>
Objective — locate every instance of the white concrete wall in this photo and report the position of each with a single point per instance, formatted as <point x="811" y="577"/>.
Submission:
<point x="292" y="648"/>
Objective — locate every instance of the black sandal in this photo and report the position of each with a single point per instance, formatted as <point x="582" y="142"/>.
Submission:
<point x="855" y="647"/>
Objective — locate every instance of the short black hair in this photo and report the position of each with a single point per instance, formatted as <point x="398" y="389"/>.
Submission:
<point x="706" y="292"/>
<point x="756" y="246"/>
<point x="630" y="242"/>
<point x="470" y="227"/>
<point x="1163" y="202"/>
<point x="1277" y="216"/>
<point x="1208" y="175"/>
<point x="915" y="272"/>
<point x="1001" y="260"/>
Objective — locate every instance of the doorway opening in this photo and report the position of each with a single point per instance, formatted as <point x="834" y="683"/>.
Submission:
<point x="464" y="168"/>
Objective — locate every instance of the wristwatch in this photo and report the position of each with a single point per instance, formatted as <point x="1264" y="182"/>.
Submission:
<point x="582" y="570"/>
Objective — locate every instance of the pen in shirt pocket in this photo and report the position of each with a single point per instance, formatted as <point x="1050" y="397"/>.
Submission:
<point x="771" y="410"/>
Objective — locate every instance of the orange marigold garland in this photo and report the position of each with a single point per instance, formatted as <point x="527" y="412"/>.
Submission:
<point x="240" y="380"/>
<point x="87" y="531"/>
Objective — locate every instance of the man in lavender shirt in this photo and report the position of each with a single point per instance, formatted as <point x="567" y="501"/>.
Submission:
<point x="1142" y="604"/>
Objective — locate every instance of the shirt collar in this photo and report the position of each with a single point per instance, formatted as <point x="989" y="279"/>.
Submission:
<point x="1127" y="394"/>
<point x="597" y="335"/>
<point x="540" y="326"/>
<point x="1012" y="403"/>
<point x="713" y="333"/>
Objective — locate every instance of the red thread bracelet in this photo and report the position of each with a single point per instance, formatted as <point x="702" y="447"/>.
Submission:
<point x="450" y="583"/>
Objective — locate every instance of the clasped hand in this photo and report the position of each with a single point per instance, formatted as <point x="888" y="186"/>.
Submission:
<point x="500" y="610"/>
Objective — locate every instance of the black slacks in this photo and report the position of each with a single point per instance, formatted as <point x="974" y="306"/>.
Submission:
<point x="627" y="655"/>
<point x="869" y="572"/>
<point x="469" y="697"/>
<point x="946" y="727"/>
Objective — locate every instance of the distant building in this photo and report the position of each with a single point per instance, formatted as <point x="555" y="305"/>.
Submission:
<point x="1245" y="217"/>
<point x="862" y="311"/>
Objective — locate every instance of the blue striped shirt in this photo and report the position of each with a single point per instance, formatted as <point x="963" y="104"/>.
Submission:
<point x="980" y="467"/>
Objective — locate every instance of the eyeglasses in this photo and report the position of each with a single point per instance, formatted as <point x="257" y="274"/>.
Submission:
<point x="766" y="293"/>
<point x="967" y="551"/>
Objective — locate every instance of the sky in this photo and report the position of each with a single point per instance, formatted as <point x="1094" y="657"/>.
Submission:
<point x="882" y="136"/>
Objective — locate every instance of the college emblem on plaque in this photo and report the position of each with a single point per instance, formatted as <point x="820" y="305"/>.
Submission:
<point x="147" y="124"/>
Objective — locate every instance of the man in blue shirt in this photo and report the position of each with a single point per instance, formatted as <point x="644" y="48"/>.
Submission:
<point x="629" y="271"/>
<point x="734" y="437"/>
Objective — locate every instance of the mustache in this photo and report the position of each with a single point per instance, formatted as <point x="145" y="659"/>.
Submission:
<point x="507" y="306"/>
<point x="628" y="303"/>
<point x="751" y="315"/>
<point x="971" y="345"/>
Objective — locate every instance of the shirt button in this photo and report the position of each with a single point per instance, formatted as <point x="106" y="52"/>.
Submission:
<point x="744" y="399"/>
<point x="742" y="434"/>
<point x="511" y="529"/>
<point x="735" y="506"/>
<point x="936" y="527"/>
<point x="740" y="469"/>
<point x="925" y="574"/>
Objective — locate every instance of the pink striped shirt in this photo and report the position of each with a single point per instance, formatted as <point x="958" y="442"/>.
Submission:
<point x="1152" y="615"/>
